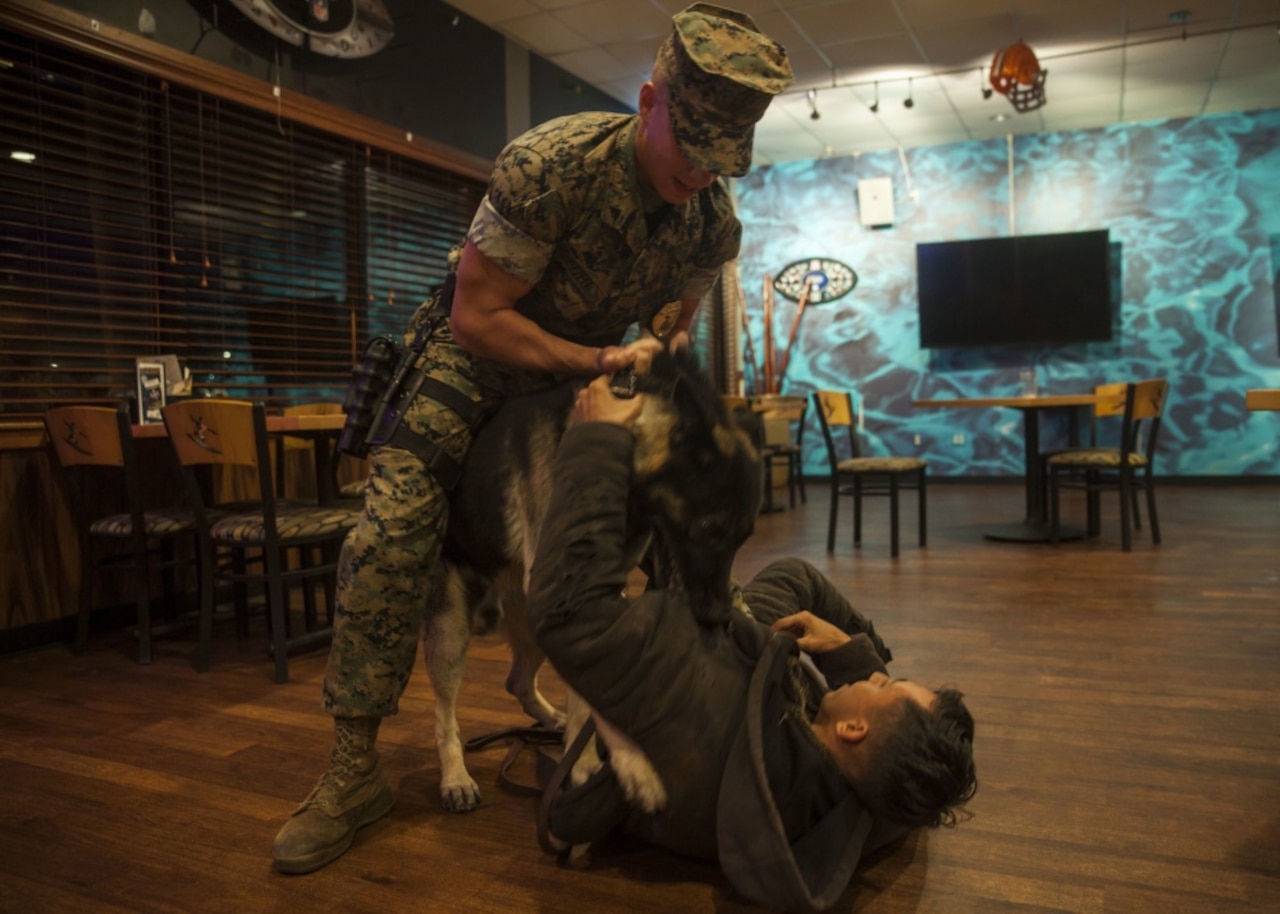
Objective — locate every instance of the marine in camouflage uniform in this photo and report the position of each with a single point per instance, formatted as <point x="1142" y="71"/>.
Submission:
<point x="572" y="179"/>
<point x="572" y="214"/>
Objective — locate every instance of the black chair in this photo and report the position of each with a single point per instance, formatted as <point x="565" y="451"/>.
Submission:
<point x="250" y="544"/>
<point x="1126" y="467"/>
<point x="856" y="476"/>
<point x="96" y="455"/>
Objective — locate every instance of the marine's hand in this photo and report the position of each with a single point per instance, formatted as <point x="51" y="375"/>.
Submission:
<point x="596" y="403"/>
<point x="815" y="635"/>
<point x="635" y="355"/>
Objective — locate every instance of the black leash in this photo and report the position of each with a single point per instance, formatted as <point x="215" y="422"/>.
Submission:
<point x="519" y="737"/>
<point x="567" y="761"/>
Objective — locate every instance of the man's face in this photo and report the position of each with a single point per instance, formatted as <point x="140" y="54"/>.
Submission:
<point x="872" y="698"/>
<point x="661" y="163"/>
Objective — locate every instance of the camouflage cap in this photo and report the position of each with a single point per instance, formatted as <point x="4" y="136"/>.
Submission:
<point x="721" y="72"/>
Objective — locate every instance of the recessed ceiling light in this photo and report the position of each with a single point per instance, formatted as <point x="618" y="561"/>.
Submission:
<point x="1000" y="118"/>
<point x="22" y="156"/>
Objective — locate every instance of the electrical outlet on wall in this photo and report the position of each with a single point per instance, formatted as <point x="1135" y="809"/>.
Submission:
<point x="957" y="438"/>
<point x="917" y="440"/>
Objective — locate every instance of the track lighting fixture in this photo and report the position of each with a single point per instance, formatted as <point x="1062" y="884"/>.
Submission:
<point x="875" y="105"/>
<point x="909" y="101"/>
<point x="812" y="95"/>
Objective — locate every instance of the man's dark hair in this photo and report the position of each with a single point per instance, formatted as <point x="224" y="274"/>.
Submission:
<point x="922" y="773"/>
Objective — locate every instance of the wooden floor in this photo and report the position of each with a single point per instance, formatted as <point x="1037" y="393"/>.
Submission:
<point x="1128" y="744"/>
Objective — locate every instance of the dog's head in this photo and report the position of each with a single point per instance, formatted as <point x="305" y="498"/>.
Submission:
<point x="698" y="481"/>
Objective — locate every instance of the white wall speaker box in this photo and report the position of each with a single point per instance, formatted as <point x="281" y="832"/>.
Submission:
<point x="875" y="201"/>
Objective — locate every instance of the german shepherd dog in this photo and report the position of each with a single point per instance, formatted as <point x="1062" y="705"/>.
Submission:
<point x="696" y="491"/>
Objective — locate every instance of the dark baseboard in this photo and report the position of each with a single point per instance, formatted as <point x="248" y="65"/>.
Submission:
<point x="52" y="631"/>
<point x="1018" y="480"/>
<point x="106" y="619"/>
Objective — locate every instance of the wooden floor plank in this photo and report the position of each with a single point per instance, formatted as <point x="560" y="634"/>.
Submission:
<point x="1128" y="743"/>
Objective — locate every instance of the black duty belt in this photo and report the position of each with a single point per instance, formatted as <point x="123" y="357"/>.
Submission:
<point x="445" y="468"/>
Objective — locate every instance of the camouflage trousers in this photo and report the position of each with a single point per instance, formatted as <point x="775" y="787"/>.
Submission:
<point x="390" y="565"/>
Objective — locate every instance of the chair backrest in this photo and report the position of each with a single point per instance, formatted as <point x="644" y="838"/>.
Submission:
<point x="835" y="407"/>
<point x="1148" y="399"/>
<point x="97" y="436"/>
<point x="1144" y="410"/>
<point x="1139" y="407"/>
<point x="210" y="431"/>
<point x="1110" y="399"/>
<point x="325" y="408"/>
<point x="1134" y="402"/>
<point x="291" y="447"/>
<point x="231" y="434"/>
<point x="835" y="411"/>
<point x="89" y="435"/>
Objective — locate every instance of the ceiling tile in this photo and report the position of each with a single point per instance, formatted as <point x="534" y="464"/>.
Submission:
<point x="545" y="34"/>
<point x="493" y="12"/>
<point x="604" y="21"/>
<point x="847" y="20"/>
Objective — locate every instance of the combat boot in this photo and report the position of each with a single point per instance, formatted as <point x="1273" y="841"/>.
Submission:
<point x="352" y="793"/>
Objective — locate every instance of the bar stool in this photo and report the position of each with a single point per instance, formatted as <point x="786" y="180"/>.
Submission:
<point x="98" y="440"/>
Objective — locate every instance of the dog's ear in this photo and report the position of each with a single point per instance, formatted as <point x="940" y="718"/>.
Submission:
<point x="699" y="406"/>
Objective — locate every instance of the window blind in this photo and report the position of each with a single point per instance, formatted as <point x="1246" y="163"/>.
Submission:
<point x="139" y="217"/>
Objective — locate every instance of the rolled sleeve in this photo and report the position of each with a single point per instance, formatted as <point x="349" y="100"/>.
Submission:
<point x="515" y="252"/>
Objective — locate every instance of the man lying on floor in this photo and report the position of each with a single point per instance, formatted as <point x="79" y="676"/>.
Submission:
<point x="786" y="780"/>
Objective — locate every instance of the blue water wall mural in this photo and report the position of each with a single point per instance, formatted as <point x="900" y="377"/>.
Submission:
<point x="1192" y="207"/>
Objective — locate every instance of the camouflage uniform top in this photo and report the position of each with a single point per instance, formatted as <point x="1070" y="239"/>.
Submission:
<point x="565" y="211"/>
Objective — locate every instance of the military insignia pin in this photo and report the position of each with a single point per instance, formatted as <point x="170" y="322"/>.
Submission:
<point x="665" y="320"/>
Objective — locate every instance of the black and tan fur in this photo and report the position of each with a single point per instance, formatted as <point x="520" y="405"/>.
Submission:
<point x="696" y="494"/>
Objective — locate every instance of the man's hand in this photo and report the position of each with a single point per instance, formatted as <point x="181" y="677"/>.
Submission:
<point x="636" y="355"/>
<point x="596" y="403"/>
<point x="814" y="635"/>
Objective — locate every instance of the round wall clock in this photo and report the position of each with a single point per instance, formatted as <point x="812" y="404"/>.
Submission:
<point x="335" y="28"/>
<point x="827" y="279"/>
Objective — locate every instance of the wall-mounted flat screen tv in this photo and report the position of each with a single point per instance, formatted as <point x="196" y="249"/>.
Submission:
<point x="1030" y="290"/>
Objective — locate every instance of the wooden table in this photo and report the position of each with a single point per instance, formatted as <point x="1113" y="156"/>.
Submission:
<point x="1035" y="528"/>
<point x="1262" y="398"/>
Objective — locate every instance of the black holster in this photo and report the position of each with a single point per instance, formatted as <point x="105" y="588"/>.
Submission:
<point x="378" y="379"/>
<point x="373" y="379"/>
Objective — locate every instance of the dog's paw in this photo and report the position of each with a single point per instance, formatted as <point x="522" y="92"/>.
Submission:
<point x="649" y="796"/>
<point x="640" y="782"/>
<point x="463" y="796"/>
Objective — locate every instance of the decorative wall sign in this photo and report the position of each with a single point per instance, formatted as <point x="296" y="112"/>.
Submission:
<point x="827" y="279"/>
<point x="334" y="28"/>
